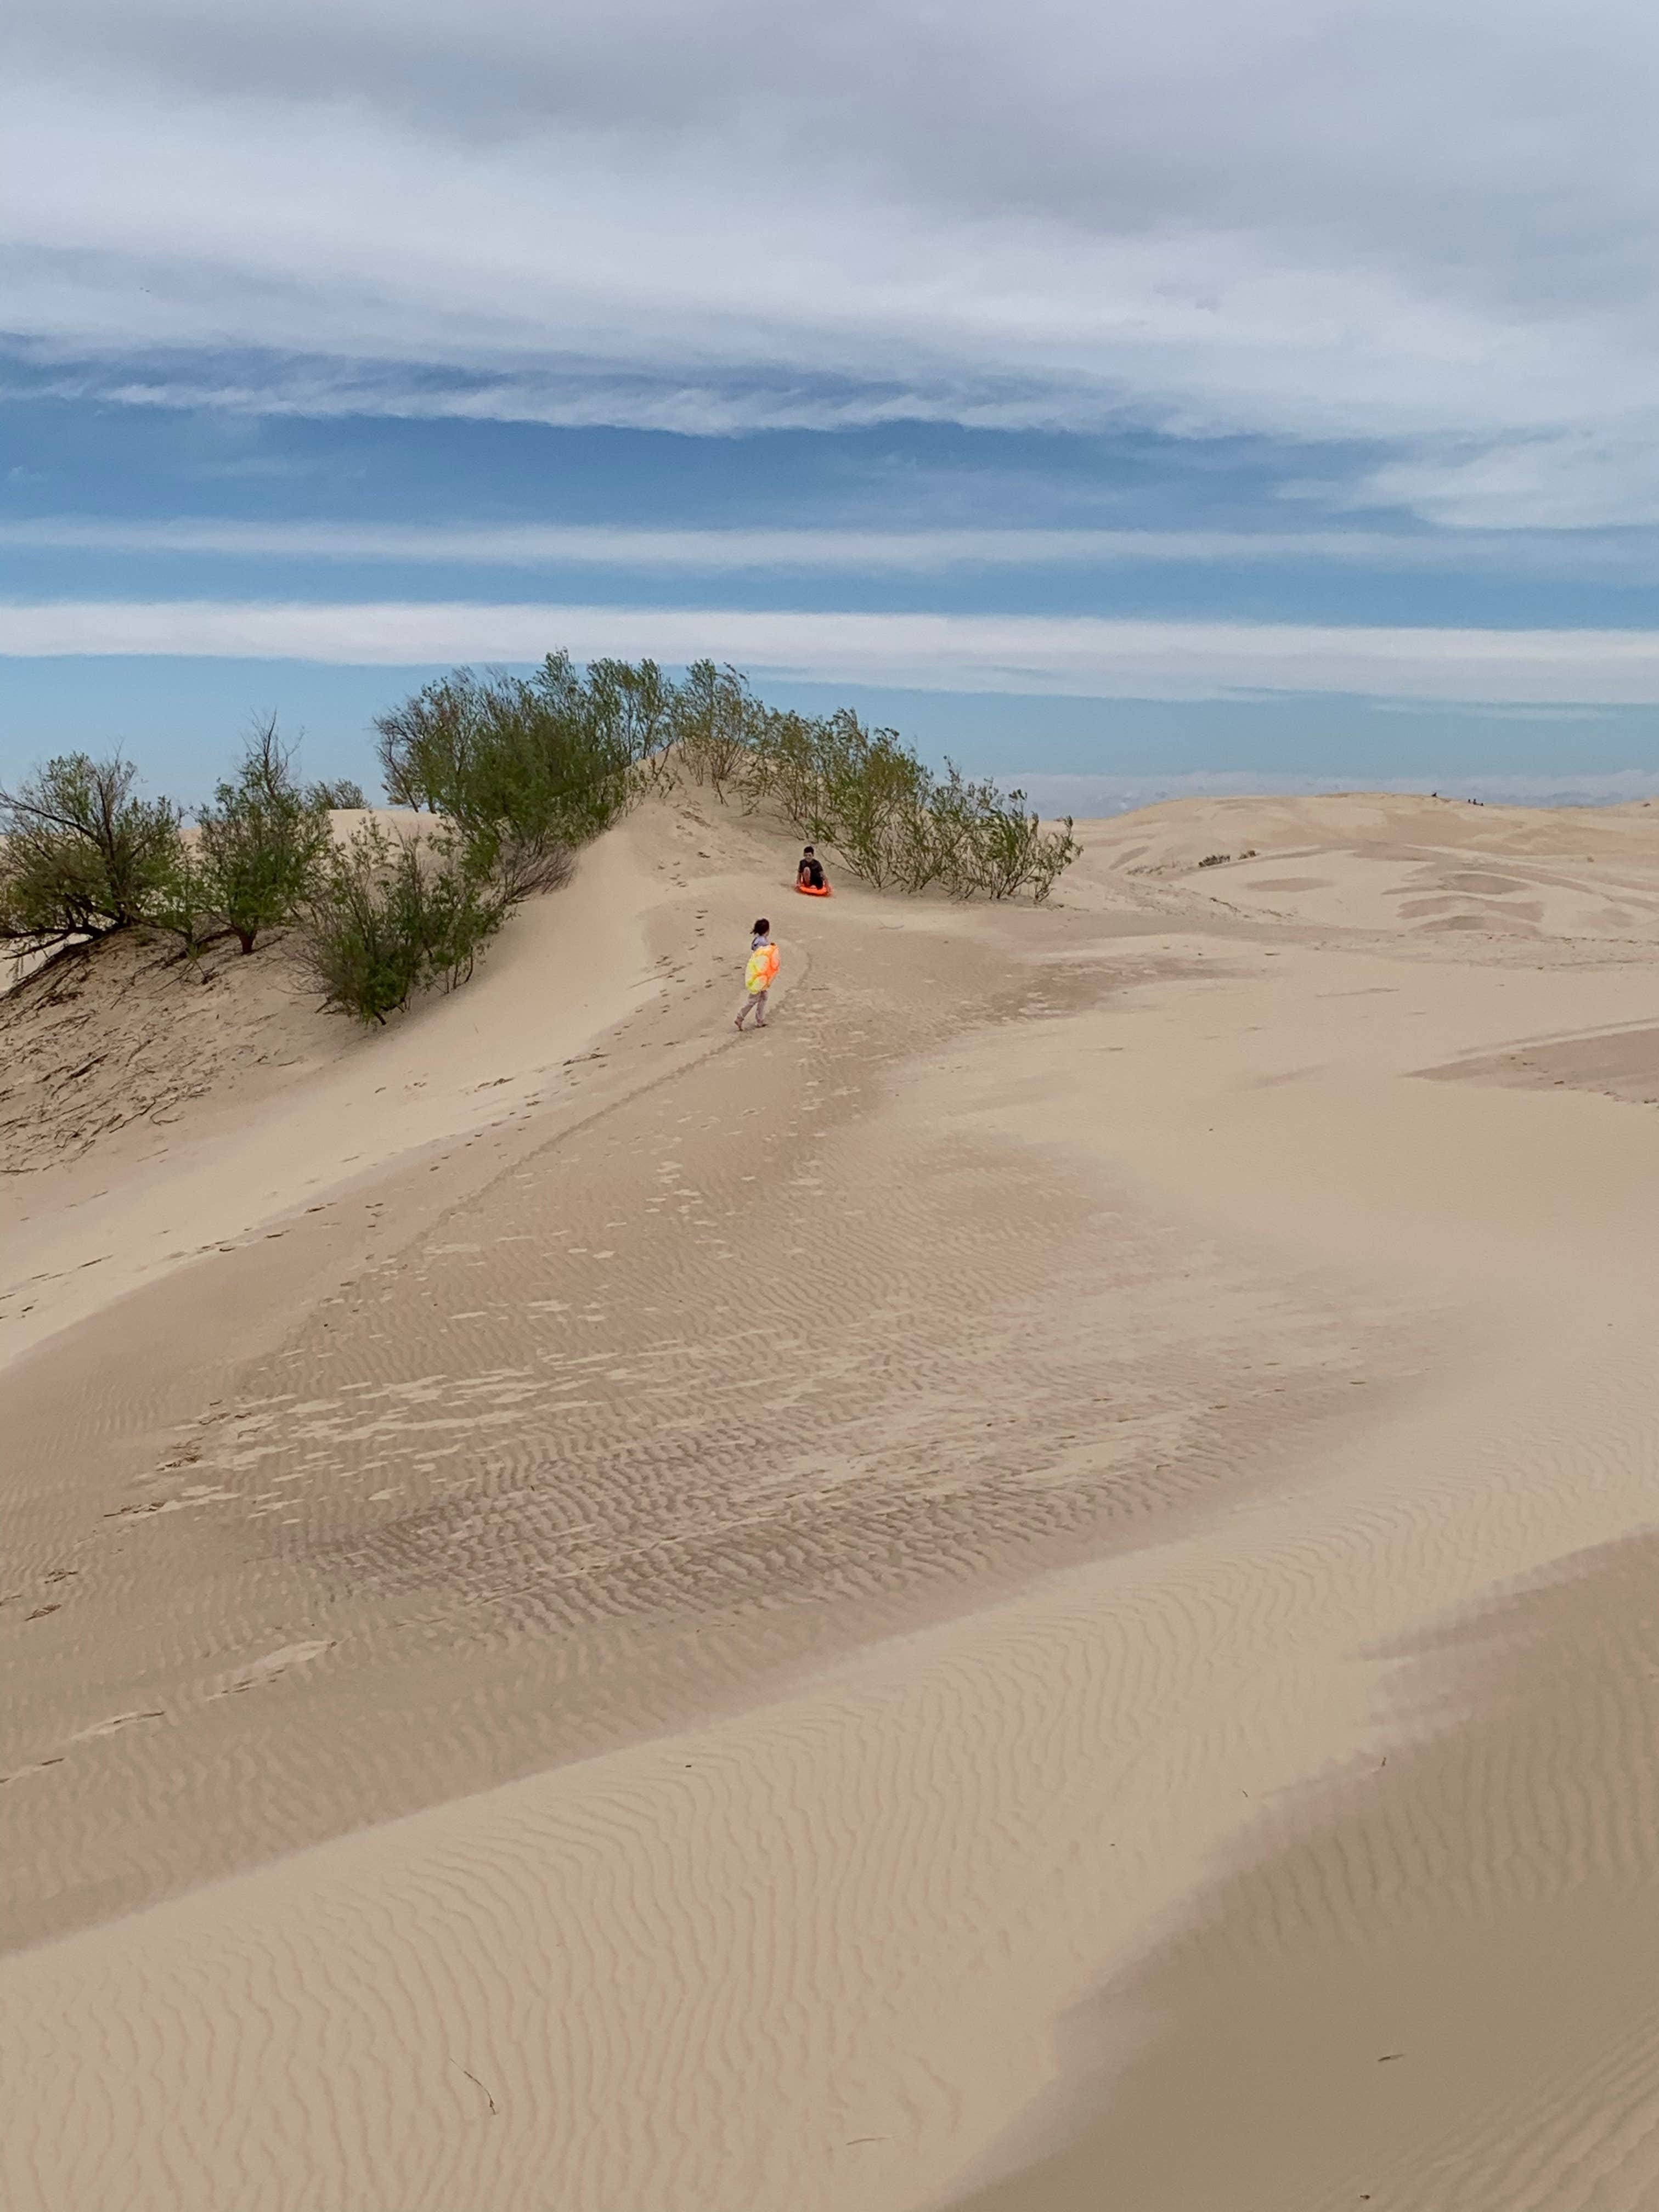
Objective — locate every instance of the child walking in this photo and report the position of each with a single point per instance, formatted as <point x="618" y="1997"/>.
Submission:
<point x="760" y="975"/>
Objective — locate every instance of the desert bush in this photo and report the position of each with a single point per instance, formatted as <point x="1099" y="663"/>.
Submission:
<point x="786" y="767"/>
<point x="422" y="742"/>
<point x="530" y="768"/>
<point x="933" y="834"/>
<point x="339" y="795"/>
<point x="260" y="843"/>
<point x="384" y="919"/>
<point x="632" y="708"/>
<point x="80" y="856"/>
<point x="546" y="767"/>
<point x="654" y="777"/>
<point x="523" y="771"/>
<point x="1051" y="853"/>
<point x="864" y="795"/>
<point x="182" y="902"/>
<point x="872" y="797"/>
<point x="1001" y="850"/>
<point x="715" y="722"/>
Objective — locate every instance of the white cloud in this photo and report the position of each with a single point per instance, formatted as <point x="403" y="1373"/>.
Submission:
<point x="1386" y="223"/>
<point x="1571" y="480"/>
<point x="1623" y="557"/>
<point x="350" y="234"/>
<point x="1081" y="656"/>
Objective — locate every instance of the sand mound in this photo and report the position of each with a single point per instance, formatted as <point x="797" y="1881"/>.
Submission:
<point x="1400" y="867"/>
<point x="125" y="1035"/>
<point x="1174" y="837"/>
<point x="130" y="1034"/>
<point x="224" y="1108"/>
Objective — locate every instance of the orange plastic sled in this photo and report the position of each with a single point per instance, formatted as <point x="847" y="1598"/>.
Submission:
<point x="807" y="890"/>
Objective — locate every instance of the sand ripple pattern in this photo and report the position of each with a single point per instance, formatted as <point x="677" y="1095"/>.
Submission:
<point x="761" y="1359"/>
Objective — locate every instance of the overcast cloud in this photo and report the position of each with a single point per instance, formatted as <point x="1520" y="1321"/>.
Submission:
<point x="1429" y="230"/>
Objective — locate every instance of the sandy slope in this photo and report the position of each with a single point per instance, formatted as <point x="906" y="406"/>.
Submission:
<point x="1029" y="1590"/>
<point x="226" y="1146"/>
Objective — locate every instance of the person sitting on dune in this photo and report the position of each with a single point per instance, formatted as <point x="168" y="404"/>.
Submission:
<point x="809" y="877"/>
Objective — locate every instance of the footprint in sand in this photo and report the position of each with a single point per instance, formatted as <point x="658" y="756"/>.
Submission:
<point x="109" y="1727"/>
<point x="273" y="1664"/>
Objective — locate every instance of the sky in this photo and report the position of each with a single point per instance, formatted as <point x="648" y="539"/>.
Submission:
<point x="1117" y="400"/>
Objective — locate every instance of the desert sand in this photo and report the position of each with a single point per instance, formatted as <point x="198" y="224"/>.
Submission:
<point x="1030" y="1591"/>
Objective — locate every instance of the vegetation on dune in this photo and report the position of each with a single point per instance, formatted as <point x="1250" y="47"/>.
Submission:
<point x="261" y="842"/>
<point x="864" y="795"/>
<point x="340" y="795"/>
<point x="518" y="772"/>
<point x="386" y="918"/>
<point x="82" y="855"/>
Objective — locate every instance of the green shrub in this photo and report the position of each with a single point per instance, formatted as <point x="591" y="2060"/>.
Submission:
<point x="715" y="721"/>
<point x="632" y="709"/>
<point x="528" y="768"/>
<point x="786" y="766"/>
<point x="386" y="918"/>
<point x="184" y="903"/>
<point x="339" y="796"/>
<point x="874" y="797"/>
<point x="543" y="768"/>
<point x="262" y="841"/>
<point x="999" y="849"/>
<point x="422" y="742"/>
<point x="864" y="795"/>
<point x="532" y="769"/>
<point x="79" y="855"/>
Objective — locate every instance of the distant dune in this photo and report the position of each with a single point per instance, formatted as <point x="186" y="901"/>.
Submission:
<point x="1030" y="1590"/>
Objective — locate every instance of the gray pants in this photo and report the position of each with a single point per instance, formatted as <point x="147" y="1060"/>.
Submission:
<point x="755" y="1004"/>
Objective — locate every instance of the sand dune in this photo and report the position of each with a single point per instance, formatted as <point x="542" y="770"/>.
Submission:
<point x="1177" y="834"/>
<point x="1029" y="1590"/>
<point x="227" y="1118"/>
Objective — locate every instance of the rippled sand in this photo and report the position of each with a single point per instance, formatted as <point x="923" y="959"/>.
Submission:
<point x="1029" y="1591"/>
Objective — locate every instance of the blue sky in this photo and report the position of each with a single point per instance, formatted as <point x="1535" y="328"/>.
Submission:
<point x="1113" y="404"/>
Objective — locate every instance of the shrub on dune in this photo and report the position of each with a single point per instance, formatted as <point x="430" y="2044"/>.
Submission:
<point x="1001" y="850"/>
<point x="890" y="818"/>
<point x="715" y="722"/>
<point x="338" y="795"/>
<point x="520" y="772"/>
<point x="530" y="768"/>
<point x="422" y="742"/>
<point x="534" y="768"/>
<point x="261" y="842"/>
<point x="79" y="854"/>
<point x="632" y="708"/>
<point x="386" y="918"/>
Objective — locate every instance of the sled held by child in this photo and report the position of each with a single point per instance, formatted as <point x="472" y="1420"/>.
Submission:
<point x="759" y="975"/>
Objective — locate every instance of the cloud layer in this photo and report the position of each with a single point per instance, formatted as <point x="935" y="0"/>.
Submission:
<point x="1422" y="229"/>
<point x="731" y="551"/>
<point x="1080" y="657"/>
